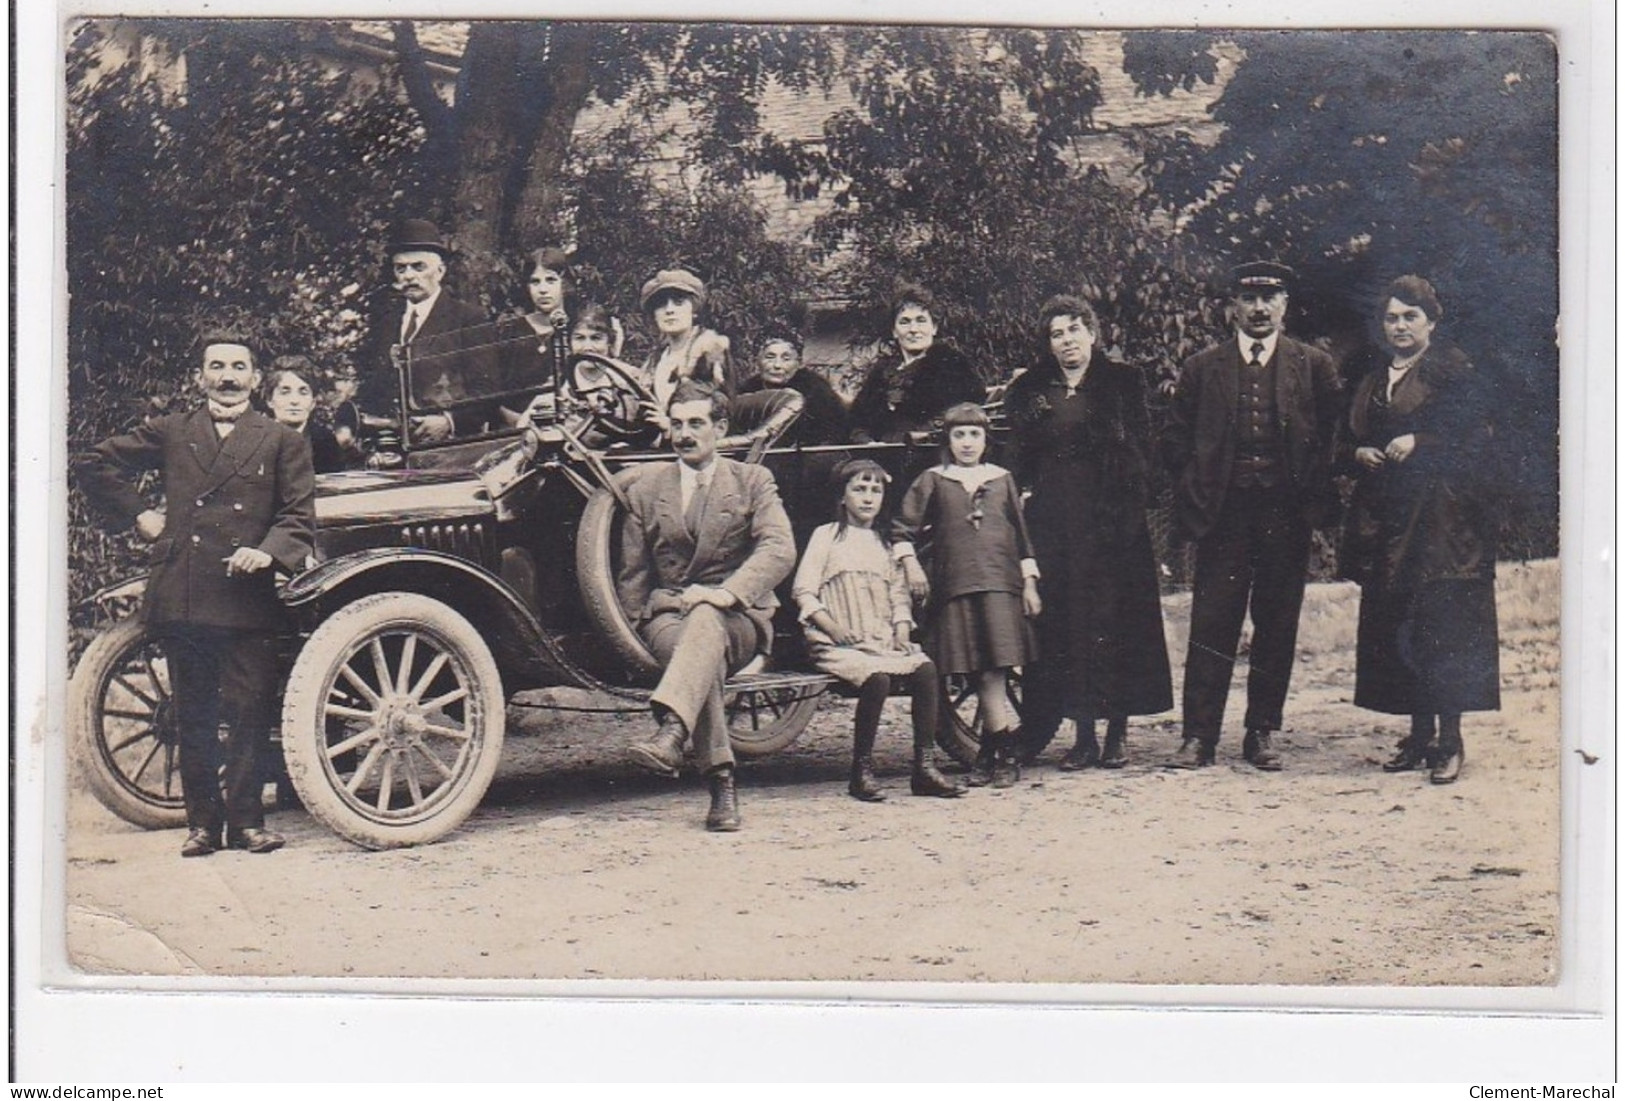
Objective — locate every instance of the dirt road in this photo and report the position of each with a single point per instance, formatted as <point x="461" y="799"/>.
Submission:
<point x="578" y="867"/>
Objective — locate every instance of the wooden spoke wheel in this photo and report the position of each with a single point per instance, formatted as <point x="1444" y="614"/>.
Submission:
<point x="121" y="718"/>
<point x="393" y="720"/>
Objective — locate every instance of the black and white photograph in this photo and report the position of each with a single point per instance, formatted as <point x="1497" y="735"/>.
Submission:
<point x="932" y="508"/>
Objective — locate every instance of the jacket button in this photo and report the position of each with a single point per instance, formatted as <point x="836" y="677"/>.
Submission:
<point x="200" y="502"/>
<point x="236" y="506"/>
<point x="197" y="539"/>
<point x="236" y="542"/>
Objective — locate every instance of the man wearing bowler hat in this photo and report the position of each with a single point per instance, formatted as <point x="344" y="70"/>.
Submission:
<point x="1248" y="443"/>
<point x="441" y="335"/>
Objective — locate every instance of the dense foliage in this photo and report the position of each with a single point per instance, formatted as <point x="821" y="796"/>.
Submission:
<point x="1358" y="156"/>
<point x="256" y="197"/>
<point x="237" y="169"/>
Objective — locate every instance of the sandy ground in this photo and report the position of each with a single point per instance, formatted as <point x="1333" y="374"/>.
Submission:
<point x="578" y="867"/>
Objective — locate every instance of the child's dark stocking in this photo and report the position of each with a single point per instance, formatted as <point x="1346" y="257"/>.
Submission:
<point x="871" y="702"/>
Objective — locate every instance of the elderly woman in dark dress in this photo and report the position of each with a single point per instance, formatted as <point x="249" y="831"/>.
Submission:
<point x="1080" y="441"/>
<point x="908" y="389"/>
<point x="1420" y="538"/>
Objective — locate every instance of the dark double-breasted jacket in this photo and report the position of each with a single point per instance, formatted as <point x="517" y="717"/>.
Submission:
<point x="1199" y="442"/>
<point x="254" y="488"/>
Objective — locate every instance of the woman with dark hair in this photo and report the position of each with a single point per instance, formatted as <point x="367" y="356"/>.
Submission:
<point x="291" y="390"/>
<point x="674" y="300"/>
<point x="529" y="341"/>
<point x="909" y="388"/>
<point x="1081" y="445"/>
<point x="1420" y="538"/>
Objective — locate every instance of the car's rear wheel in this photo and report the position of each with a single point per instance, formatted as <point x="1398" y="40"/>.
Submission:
<point x="121" y="718"/>
<point x="764" y="714"/>
<point x="393" y="720"/>
<point x="960" y="734"/>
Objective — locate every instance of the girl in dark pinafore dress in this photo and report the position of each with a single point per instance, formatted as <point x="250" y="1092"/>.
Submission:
<point x="963" y="518"/>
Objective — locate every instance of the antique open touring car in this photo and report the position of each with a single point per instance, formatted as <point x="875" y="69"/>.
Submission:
<point x="453" y="579"/>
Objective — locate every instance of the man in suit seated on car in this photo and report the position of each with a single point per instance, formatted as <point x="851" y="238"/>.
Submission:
<point x="704" y="544"/>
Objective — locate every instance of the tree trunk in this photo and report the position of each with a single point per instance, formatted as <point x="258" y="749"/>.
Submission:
<point x="537" y="215"/>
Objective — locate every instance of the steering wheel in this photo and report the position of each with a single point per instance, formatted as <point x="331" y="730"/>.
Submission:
<point x="612" y="393"/>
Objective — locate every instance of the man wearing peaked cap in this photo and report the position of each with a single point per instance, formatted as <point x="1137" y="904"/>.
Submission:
<point x="1249" y="444"/>
<point x="1261" y="275"/>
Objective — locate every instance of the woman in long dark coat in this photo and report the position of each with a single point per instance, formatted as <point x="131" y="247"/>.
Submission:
<point x="1420" y="537"/>
<point x="1081" y="442"/>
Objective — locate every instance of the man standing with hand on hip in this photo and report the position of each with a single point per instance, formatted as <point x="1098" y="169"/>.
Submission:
<point x="1249" y="444"/>
<point x="240" y="500"/>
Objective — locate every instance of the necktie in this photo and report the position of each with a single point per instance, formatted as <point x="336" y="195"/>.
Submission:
<point x="411" y="329"/>
<point x="1258" y="355"/>
<point x="696" y="505"/>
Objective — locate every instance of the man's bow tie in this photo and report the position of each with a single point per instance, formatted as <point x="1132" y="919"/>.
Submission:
<point x="226" y="414"/>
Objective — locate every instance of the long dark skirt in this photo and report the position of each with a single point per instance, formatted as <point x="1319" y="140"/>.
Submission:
<point x="1432" y="650"/>
<point x="1102" y="650"/>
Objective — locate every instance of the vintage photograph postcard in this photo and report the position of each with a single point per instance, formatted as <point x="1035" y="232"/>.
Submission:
<point x="983" y="509"/>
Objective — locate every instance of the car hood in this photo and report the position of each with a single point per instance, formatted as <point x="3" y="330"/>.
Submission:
<point x="360" y="496"/>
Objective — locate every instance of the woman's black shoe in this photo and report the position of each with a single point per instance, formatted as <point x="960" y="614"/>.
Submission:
<point x="1412" y="755"/>
<point x="1081" y="756"/>
<point x="981" y="772"/>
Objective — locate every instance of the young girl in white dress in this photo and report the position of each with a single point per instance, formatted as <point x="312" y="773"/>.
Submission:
<point x="855" y="609"/>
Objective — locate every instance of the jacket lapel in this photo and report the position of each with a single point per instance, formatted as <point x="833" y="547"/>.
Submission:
<point x="669" y="512"/>
<point x="1288" y="364"/>
<point x="434" y="322"/>
<point x="201" y="440"/>
<point x="1230" y="379"/>
<point x="237" y="449"/>
<point x="1412" y="390"/>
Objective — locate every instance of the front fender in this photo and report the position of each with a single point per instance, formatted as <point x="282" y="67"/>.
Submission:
<point x="130" y="588"/>
<point x="526" y="654"/>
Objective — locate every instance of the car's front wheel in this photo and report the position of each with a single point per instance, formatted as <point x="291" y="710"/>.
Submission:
<point x="393" y="720"/>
